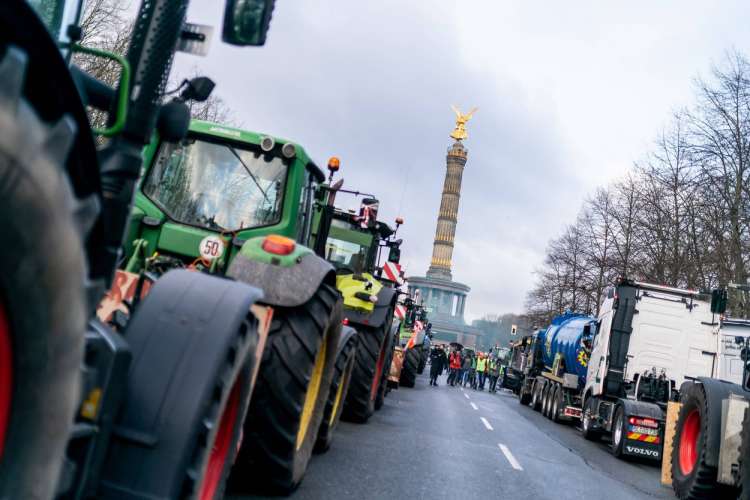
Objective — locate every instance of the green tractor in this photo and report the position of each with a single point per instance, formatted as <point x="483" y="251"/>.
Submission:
<point x="352" y="242"/>
<point x="153" y="408"/>
<point x="241" y="204"/>
<point x="414" y="335"/>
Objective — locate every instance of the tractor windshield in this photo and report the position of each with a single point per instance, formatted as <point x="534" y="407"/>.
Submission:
<point x="217" y="186"/>
<point x="348" y="247"/>
<point x="56" y="13"/>
<point x="345" y="254"/>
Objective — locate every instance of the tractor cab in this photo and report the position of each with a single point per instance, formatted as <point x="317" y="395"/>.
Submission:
<point x="201" y="198"/>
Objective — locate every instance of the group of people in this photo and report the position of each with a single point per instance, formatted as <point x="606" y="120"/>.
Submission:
<point x="466" y="368"/>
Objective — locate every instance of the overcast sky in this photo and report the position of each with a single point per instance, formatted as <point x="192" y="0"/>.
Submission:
<point x="569" y="95"/>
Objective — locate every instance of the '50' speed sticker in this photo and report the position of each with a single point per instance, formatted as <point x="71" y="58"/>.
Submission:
<point x="211" y="247"/>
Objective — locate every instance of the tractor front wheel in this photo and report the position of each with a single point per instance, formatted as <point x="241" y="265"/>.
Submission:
<point x="339" y="387"/>
<point x="369" y="367"/>
<point x="42" y="291"/>
<point x="411" y="364"/>
<point x="383" y="389"/>
<point x="290" y="396"/>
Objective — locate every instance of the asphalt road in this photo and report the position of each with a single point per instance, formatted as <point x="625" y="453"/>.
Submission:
<point x="443" y="442"/>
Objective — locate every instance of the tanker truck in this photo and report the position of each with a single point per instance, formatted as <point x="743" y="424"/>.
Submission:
<point x="563" y="353"/>
<point x="521" y="370"/>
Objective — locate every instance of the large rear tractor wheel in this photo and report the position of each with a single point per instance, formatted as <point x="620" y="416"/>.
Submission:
<point x="369" y="367"/>
<point x="188" y="390"/>
<point x="383" y="389"/>
<point x="409" y="371"/>
<point x="692" y="478"/>
<point x="342" y="375"/>
<point x="42" y="291"/>
<point x="291" y="394"/>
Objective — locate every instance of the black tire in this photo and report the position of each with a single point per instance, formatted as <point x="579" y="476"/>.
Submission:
<point x="42" y="291"/>
<point x="409" y="371"/>
<point x="524" y="397"/>
<point x="587" y="430"/>
<point x="744" y="468"/>
<point x="342" y="374"/>
<point x="619" y="431"/>
<point x="372" y="351"/>
<point x="691" y="431"/>
<point x="536" y="396"/>
<point x="556" y="405"/>
<point x="546" y="399"/>
<point x="188" y="389"/>
<point x="383" y="389"/>
<point x="422" y="360"/>
<point x="290" y="396"/>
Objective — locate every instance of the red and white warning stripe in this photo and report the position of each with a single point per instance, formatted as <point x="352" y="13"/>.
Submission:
<point x="393" y="272"/>
<point x="400" y="311"/>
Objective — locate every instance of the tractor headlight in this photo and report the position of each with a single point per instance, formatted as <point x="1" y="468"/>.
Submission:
<point x="267" y="144"/>
<point x="288" y="150"/>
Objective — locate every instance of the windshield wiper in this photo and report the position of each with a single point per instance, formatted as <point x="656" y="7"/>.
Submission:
<point x="255" y="179"/>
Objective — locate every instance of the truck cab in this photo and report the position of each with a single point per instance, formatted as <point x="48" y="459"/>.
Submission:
<point x="649" y="340"/>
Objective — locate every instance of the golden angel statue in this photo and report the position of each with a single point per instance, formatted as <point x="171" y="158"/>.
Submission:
<point x="459" y="133"/>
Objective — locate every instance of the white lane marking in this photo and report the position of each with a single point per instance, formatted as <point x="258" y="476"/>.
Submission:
<point x="466" y="396"/>
<point x="486" y="424"/>
<point x="474" y="406"/>
<point x="508" y="455"/>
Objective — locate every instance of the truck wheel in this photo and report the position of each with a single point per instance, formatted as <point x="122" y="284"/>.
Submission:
<point x="409" y="372"/>
<point x="337" y="394"/>
<point x="546" y="399"/>
<point x="692" y="478"/>
<point x="587" y="421"/>
<point x="188" y="389"/>
<point x="744" y="468"/>
<point x="383" y="390"/>
<point x="536" y="396"/>
<point x="523" y="396"/>
<point x="557" y="396"/>
<point x="369" y="364"/>
<point x="42" y="296"/>
<point x="291" y="394"/>
<point x="618" y="432"/>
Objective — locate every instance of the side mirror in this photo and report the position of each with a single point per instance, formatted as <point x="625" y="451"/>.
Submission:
<point x="246" y="22"/>
<point x="394" y="255"/>
<point x="718" y="301"/>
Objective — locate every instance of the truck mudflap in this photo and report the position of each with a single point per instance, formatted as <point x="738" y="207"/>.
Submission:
<point x="644" y="437"/>
<point x="644" y="429"/>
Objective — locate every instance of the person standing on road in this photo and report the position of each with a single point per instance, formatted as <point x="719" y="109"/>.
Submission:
<point x="481" y="369"/>
<point x="437" y="363"/>
<point x="455" y="364"/>
<point x="465" y="368"/>
<point x="494" y="372"/>
<point x="473" y="371"/>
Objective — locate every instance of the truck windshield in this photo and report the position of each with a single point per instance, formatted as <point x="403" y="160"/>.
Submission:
<point x="217" y="186"/>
